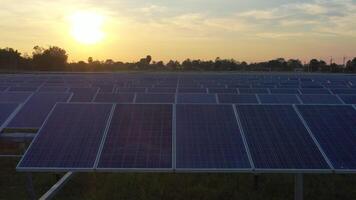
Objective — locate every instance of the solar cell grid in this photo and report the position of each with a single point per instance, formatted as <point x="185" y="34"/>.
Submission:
<point x="154" y="98"/>
<point x="139" y="137"/>
<point x="208" y="138"/>
<point x="114" y="97"/>
<point x="343" y="91"/>
<point x="319" y="99"/>
<point x="196" y="98"/>
<point x="238" y="98"/>
<point x="70" y="145"/>
<point x="278" y="140"/>
<point x="35" y="110"/>
<point x="6" y="109"/>
<point x="18" y="97"/>
<point x="85" y="94"/>
<point x="334" y="126"/>
<point x="315" y="91"/>
<point x="278" y="99"/>
<point x="253" y="91"/>
<point x="284" y="91"/>
<point x="348" y="99"/>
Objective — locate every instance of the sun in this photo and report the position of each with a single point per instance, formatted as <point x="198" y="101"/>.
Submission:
<point x="86" y="27"/>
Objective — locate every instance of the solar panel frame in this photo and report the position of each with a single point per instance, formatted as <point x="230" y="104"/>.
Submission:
<point x="278" y="99"/>
<point x="61" y="169"/>
<point x="162" y="98"/>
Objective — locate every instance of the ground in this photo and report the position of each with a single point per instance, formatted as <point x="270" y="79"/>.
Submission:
<point x="92" y="186"/>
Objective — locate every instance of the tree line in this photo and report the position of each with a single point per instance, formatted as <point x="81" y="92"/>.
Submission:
<point x="56" y="59"/>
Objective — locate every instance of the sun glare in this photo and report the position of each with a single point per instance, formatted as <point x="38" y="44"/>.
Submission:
<point x="86" y="27"/>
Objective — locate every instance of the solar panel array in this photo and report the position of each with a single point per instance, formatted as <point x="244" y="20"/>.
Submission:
<point x="184" y="122"/>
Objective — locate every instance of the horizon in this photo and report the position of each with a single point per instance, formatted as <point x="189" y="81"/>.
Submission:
<point x="126" y="31"/>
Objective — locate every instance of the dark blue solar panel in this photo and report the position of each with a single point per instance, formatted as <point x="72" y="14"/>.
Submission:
<point x="83" y="94"/>
<point x="162" y="90"/>
<point x="17" y="97"/>
<point x="36" y="109"/>
<point x="196" y="98"/>
<point x="344" y="91"/>
<point x="131" y="90"/>
<point x="69" y="139"/>
<point x="319" y="99"/>
<point x="253" y="91"/>
<point x="348" y="99"/>
<point x="314" y="91"/>
<point x="22" y="89"/>
<point x="335" y="129"/>
<point x="53" y="89"/>
<point x="3" y="88"/>
<point x="140" y="136"/>
<point x="208" y="137"/>
<point x="284" y="91"/>
<point x="155" y="98"/>
<point x="278" y="139"/>
<point x="105" y="88"/>
<point x="192" y="90"/>
<point x="278" y="99"/>
<point x="222" y="90"/>
<point x="114" y="97"/>
<point x="6" y="109"/>
<point x="238" y="99"/>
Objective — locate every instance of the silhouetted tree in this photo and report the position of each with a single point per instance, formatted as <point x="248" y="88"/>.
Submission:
<point x="351" y="65"/>
<point x="53" y="58"/>
<point x="10" y="58"/>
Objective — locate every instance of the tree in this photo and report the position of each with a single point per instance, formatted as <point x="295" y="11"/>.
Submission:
<point x="351" y="65"/>
<point x="53" y="58"/>
<point x="9" y="58"/>
<point x="144" y="63"/>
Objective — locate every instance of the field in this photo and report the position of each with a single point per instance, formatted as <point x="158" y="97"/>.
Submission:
<point x="175" y="186"/>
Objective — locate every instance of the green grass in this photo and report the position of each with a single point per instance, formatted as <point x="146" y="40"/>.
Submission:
<point x="149" y="186"/>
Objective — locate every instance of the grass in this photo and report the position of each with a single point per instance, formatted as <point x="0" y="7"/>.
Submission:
<point x="149" y="186"/>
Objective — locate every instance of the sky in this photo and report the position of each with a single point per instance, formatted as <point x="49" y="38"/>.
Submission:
<point x="246" y="30"/>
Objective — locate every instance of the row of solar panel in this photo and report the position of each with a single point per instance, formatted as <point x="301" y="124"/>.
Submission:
<point x="188" y="89"/>
<point x="147" y="137"/>
<point x="37" y="105"/>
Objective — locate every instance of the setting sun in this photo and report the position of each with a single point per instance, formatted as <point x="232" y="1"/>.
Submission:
<point x="86" y="27"/>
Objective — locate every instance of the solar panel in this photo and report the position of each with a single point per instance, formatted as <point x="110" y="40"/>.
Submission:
<point x="253" y="91"/>
<point x="22" y="89"/>
<point x="319" y="99"/>
<point x="343" y="91"/>
<point x="348" y="99"/>
<point x="36" y="109"/>
<point x="222" y="90"/>
<point x="53" y="89"/>
<point x="6" y="109"/>
<point x="278" y="139"/>
<point x="162" y="90"/>
<point x="69" y="140"/>
<point x="278" y="99"/>
<point x="196" y="98"/>
<point x="17" y="97"/>
<point x="3" y="88"/>
<point x="208" y="138"/>
<point x="314" y="91"/>
<point x="83" y="94"/>
<point x="114" y="97"/>
<point x="131" y="90"/>
<point x="192" y="90"/>
<point x="334" y="127"/>
<point x="238" y="99"/>
<point x="139" y="137"/>
<point x="284" y="91"/>
<point x="155" y="98"/>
